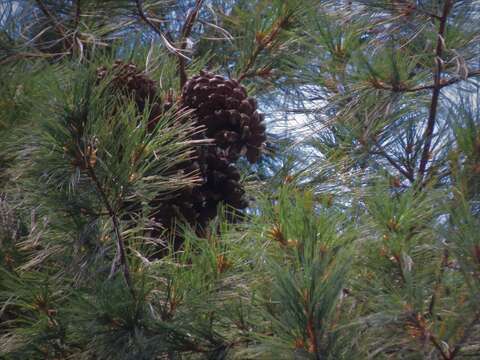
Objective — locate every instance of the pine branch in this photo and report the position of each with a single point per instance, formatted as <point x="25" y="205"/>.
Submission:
<point x="263" y="44"/>
<point x="186" y="31"/>
<point x="51" y="17"/>
<point x="443" y="266"/>
<point x="158" y="31"/>
<point x="392" y="162"/>
<point x="77" y="13"/>
<point x="466" y="335"/>
<point x="428" y="135"/>
<point x="443" y="83"/>
<point x="116" y="227"/>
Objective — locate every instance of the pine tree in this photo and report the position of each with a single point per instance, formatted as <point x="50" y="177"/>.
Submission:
<point x="396" y="83"/>
<point x="144" y="214"/>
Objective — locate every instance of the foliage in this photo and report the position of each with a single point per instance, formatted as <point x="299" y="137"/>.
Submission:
<point x="361" y="237"/>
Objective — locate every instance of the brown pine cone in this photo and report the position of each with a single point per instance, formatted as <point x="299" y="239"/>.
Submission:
<point x="229" y="115"/>
<point x="132" y="82"/>
<point x="223" y="179"/>
<point x="198" y="205"/>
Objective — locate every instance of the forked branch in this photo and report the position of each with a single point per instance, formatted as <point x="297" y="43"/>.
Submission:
<point x="185" y="33"/>
<point x="157" y="30"/>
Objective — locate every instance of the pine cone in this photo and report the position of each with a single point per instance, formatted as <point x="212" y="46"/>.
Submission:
<point x="130" y="81"/>
<point x="222" y="184"/>
<point x="230" y="117"/>
<point x="223" y="179"/>
<point x="198" y="205"/>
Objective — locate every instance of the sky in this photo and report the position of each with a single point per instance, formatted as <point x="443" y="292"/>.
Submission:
<point x="7" y="7"/>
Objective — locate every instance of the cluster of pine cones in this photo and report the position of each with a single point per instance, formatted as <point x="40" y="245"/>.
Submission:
<point x="228" y="116"/>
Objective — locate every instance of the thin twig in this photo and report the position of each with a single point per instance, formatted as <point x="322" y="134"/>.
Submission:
<point x="186" y="31"/>
<point x="428" y="135"/>
<point x="263" y="44"/>
<point x="443" y="265"/>
<point x="22" y="55"/>
<point x="466" y="334"/>
<point x="426" y="333"/>
<point x="312" y="337"/>
<point x="398" y="262"/>
<point x="51" y="17"/>
<point x="62" y="30"/>
<point x="397" y="166"/>
<point x="428" y="13"/>
<point x="77" y="13"/>
<point x="116" y="227"/>
<point x="437" y="345"/>
<point x="443" y="83"/>
<point x="158" y="31"/>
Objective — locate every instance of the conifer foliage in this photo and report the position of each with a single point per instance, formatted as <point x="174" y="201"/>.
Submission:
<point x="146" y="213"/>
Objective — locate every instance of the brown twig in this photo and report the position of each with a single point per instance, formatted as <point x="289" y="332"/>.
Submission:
<point x="437" y="81"/>
<point x="62" y="30"/>
<point x="463" y="339"/>
<point x="427" y="13"/>
<point x="116" y="228"/>
<point x="51" y="17"/>
<point x="264" y="43"/>
<point x="398" y="262"/>
<point x="392" y="162"/>
<point x="443" y="265"/>
<point x="77" y="13"/>
<point x="23" y="55"/>
<point x="437" y="346"/>
<point x="405" y="172"/>
<point x="418" y="322"/>
<point x="157" y="30"/>
<point x="312" y="337"/>
<point x="443" y="83"/>
<point x="185" y="33"/>
<point x="144" y="17"/>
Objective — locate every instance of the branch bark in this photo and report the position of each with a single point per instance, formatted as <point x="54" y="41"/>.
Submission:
<point x="428" y="134"/>
<point x="186" y="31"/>
<point x="116" y="227"/>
